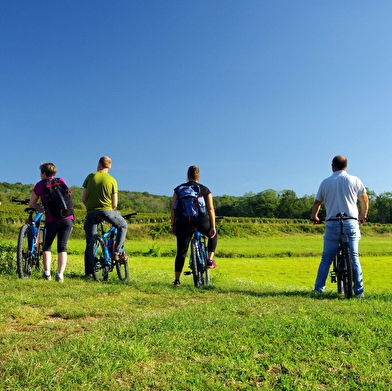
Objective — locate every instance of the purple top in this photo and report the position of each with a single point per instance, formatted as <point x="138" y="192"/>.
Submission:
<point x="39" y="190"/>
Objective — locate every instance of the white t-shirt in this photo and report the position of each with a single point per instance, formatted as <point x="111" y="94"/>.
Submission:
<point x="340" y="193"/>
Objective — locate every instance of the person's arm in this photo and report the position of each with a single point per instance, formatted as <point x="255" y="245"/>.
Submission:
<point x="114" y="200"/>
<point x="211" y="214"/>
<point x="173" y="203"/>
<point x="172" y="215"/>
<point x="33" y="203"/>
<point x="364" y="199"/>
<point x="84" y="196"/>
<point x="315" y="211"/>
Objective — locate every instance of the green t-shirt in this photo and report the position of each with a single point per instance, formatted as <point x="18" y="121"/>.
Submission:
<point x="100" y="187"/>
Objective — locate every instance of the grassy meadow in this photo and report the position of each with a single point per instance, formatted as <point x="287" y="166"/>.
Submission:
<point x="258" y="326"/>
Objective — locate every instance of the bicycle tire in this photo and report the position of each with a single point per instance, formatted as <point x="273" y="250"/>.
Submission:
<point x="23" y="255"/>
<point x="101" y="268"/>
<point x="339" y="267"/>
<point x="122" y="270"/>
<point x="195" y="264"/>
<point x="206" y="278"/>
<point x="347" y="271"/>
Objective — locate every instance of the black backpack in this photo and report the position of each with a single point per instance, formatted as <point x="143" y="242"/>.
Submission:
<point x="190" y="205"/>
<point x="58" y="198"/>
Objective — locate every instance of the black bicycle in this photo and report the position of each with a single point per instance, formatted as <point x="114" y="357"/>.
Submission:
<point x="29" y="255"/>
<point x="103" y="250"/>
<point x="199" y="258"/>
<point x="342" y="265"/>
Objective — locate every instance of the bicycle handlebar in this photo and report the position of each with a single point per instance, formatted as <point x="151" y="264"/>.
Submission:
<point x="21" y="202"/>
<point x="129" y="215"/>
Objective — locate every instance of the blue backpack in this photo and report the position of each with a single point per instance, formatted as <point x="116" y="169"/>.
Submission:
<point x="190" y="205"/>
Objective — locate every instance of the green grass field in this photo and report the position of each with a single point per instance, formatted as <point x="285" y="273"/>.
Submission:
<point x="258" y="326"/>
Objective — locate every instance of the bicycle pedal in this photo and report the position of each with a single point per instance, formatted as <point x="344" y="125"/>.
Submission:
<point x="187" y="273"/>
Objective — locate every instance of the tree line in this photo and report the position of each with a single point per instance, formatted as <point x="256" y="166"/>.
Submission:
<point x="266" y="204"/>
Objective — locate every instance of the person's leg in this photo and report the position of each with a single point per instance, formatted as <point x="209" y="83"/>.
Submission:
<point x="331" y="245"/>
<point x="114" y="217"/>
<point x="354" y="235"/>
<point x="90" y="228"/>
<point x="183" y="239"/>
<point x="49" y="235"/>
<point x="47" y="260"/>
<point x="63" y="234"/>
<point x="205" y="228"/>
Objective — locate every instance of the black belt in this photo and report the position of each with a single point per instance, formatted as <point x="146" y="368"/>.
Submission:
<point x="344" y="218"/>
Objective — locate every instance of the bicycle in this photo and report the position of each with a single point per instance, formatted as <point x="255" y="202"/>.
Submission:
<point x="198" y="259"/>
<point x="103" y="249"/>
<point x="29" y="255"/>
<point x="342" y="265"/>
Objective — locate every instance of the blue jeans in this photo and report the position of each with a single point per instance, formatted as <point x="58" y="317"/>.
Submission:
<point x="91" y="228"/>
<point x="331" y="244"/>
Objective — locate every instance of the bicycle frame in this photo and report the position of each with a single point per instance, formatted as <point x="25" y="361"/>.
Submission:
<point x="29" y="256"/>
<point x="108" y="239"/>
<point x="34" y="226"/>
<point x="104" y="244"/>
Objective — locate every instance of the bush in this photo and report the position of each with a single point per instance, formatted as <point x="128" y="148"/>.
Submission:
<point x="7" y="260"/>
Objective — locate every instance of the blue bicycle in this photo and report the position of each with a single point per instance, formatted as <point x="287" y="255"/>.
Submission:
<point x="103" y="250"/>
<point x="198" y="259"/>
<point x="29" y="254"/>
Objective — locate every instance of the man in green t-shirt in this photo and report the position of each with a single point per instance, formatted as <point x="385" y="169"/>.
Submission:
<point x="100" y="196"/>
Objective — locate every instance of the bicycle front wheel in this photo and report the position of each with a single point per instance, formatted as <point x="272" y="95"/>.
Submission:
<point x="101" y="268"/>
<point x="196" y="264"/>
<point x="122" y="269"/>
<point x="347" y="271"/>
<point x="25" y="259"/>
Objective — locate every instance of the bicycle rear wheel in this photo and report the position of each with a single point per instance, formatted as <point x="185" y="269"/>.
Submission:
<point x="205" y="271"/>
<point x="347" y="277"/>
<point x="196" y="264"/>
<point x="26" y="261"/>
<point x="101" y="268"/>
<point x="338" y="274"/>
<point x="122" y="269"/>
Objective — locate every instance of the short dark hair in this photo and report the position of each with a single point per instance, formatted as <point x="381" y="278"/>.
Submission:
<point x="339" y="162"/>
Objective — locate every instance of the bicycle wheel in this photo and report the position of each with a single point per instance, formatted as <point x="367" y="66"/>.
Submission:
<point x="24" y="258"/>
<point x="122" y="269"/>
<point x="205" y="271"/>
<point x="347" y="271"/>
<point x="101" y="268"/>
<point x="196" y="264"/>
<point x="338" y="268"/>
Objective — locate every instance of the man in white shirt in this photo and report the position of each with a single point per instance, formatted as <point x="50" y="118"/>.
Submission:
<point x="340" y="193"/>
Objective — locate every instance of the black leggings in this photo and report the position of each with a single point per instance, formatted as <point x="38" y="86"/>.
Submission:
<point x="61" y="228"/>
<point x="184" y="234"/>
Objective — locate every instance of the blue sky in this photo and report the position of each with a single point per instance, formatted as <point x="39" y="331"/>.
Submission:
<point x="259" y="94"/>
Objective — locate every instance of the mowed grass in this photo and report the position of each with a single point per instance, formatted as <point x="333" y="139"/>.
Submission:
<point x="258" y="326"/>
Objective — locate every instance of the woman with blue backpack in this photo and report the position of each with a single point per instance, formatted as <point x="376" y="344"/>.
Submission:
<point x="192" y="207"/>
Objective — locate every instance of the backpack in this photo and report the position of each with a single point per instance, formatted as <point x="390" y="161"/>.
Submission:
<point x="58" y="198"/>
<point x="190" y="205"/>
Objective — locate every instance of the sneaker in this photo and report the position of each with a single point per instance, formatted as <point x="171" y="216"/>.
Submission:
<point x="176" y="283"/>
<point x="360" y="296"/>
<point x="59" y="279"/>
<point x="121" y="258"/>
<point x="211" y="264"/>
<point x="45" y="277"/>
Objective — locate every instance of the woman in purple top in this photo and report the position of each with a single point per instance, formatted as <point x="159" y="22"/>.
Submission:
<point x="60" y="227"/>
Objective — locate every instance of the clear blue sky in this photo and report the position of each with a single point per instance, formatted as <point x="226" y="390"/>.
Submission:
<point x="260" y="94"/>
